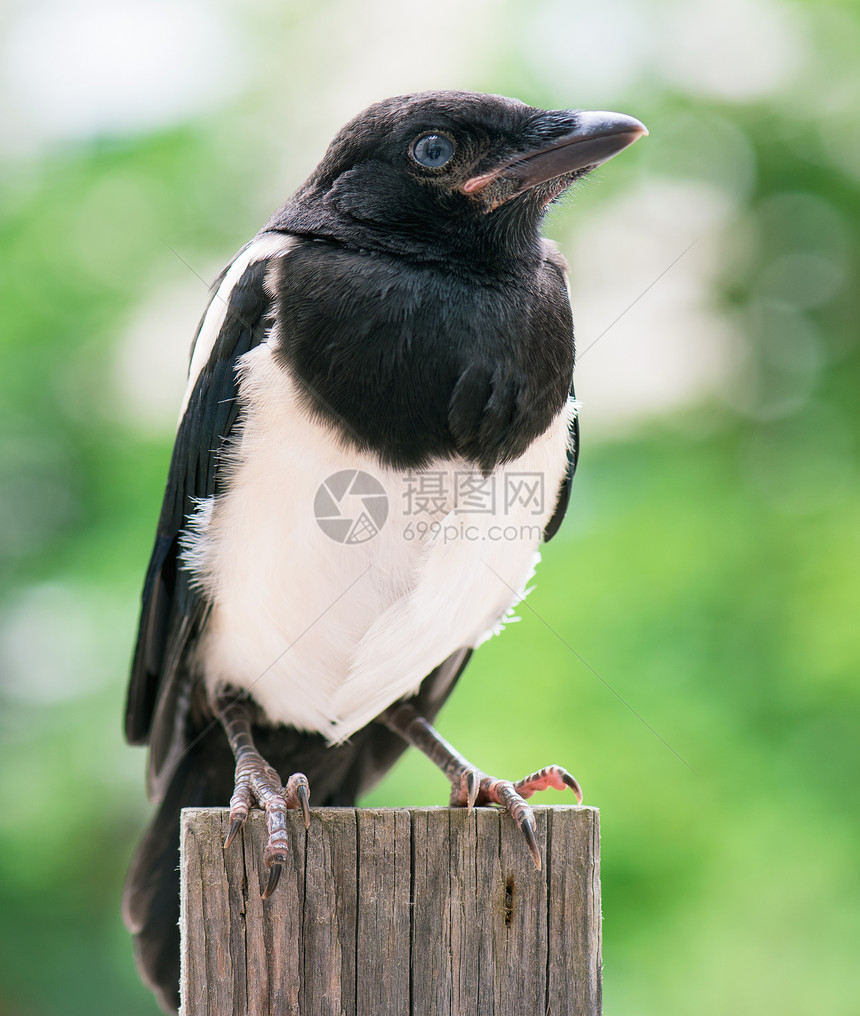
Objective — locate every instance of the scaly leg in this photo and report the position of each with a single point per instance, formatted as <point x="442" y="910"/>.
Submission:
<point x="470" y="786"/>
<point x="257" y="784"/>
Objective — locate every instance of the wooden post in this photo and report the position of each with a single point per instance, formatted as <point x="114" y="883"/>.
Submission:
<point x="393" y="912"/>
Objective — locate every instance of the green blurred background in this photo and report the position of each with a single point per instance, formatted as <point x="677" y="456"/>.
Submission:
<point x="691" y="649"/>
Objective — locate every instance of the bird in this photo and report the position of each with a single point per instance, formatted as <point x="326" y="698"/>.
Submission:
<point x="378" y="432"/>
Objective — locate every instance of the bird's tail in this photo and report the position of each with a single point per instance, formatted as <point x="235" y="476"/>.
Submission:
<point x="201" y="778"/>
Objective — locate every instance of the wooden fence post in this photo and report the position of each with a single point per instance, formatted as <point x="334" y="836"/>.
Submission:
<point x="393" y="912"/>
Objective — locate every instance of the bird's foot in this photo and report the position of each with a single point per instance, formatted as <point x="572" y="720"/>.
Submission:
<point x="470" y="788"/>
<point x="258" y="785"/>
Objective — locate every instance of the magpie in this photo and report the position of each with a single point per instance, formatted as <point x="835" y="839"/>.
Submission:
<point x="378" y="432"/>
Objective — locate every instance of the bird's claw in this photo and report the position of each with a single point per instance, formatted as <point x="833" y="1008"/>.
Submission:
<point x="304" y="795"/>
<point x="235" y="826"/>
<point x="274" y="877"/>
<point x="571" y="781"/>
<point x="549" y="778"/>
<point x="471" y="787"/>
<point x="258" y="785"/>
<point x="527" y="828"/>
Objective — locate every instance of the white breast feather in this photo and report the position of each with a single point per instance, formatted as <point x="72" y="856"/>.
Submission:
<point x="323" y="634"/>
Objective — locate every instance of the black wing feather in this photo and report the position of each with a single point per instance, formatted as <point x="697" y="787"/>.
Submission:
<point x="554" y="524"/>
<point x="173" y="608"/>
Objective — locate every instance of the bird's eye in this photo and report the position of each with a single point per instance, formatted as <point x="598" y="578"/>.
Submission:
<point x="433" y="150"/>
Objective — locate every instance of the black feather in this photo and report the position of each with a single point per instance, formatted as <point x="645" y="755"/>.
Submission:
<point x="172" y="609"/>
<point x="488" y="361"/>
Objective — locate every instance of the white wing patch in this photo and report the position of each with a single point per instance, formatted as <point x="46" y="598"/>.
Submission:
<point x="267" y="246"/>
<point x="323" y="634"/>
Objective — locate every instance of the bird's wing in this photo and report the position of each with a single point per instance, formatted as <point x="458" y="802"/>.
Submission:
<point x="563" y="499"/>
<point x="173" y="609"/>
<point x="554" y="262"/>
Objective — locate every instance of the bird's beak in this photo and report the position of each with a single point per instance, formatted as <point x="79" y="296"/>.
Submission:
<point x="597" y="137"/>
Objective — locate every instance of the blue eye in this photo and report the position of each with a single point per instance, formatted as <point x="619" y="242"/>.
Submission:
<point x="433" y="150"/>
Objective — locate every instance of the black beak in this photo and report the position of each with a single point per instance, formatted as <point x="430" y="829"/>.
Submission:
<point x="598" y="136"/>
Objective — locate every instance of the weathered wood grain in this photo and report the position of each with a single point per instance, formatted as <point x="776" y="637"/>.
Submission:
<point x="393" y="912"/>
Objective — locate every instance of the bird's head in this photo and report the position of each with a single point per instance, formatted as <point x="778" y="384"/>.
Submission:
<point x="437" y="173"/>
